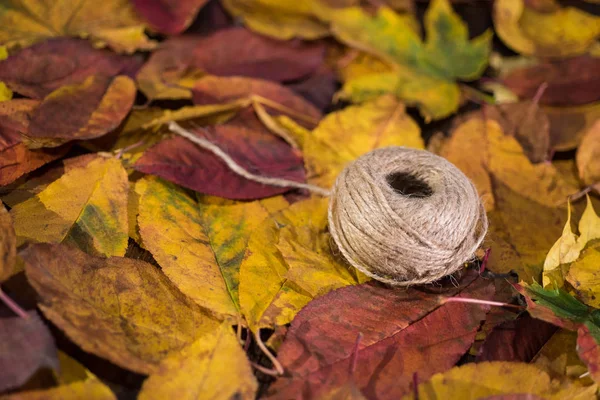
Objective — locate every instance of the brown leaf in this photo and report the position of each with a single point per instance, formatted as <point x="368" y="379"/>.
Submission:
<point x="121" y="309"/>
<point x="26" y="346"/>
<point x="404" y="331"/>
<point x="588" y="156"/>
<point x="44" y="67"/>
<point x="569" y="124"/>
<point x="245" y="140"/>
<point x="234" y="51"/>
<point x="169" y="16"/>
<point x="81" y="111"/>
<point x="572" y="81"/>
<point x="15" y="158"/>
<point x="8" y="244"/>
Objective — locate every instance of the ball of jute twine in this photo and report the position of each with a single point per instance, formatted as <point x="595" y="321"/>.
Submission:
<point x="399" y="215"/>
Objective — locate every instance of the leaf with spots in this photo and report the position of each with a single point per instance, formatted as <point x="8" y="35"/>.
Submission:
<point x="86" y="207"/>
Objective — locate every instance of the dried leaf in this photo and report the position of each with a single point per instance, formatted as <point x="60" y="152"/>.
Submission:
<point x="583" y="275"/>
<point x="492" y="379"/>
<point x="572" y="81"/>
<point x="121" y="309"/>
<point x="86" y="207"/>
<point x="425" y="72"/>
<point x="84" y="110"/>
<point x="288" y="262"/>
<point x="246" y="141"/>
<point x="23" y="23"/>
<point x="26" y="346"/>
<point x="588" y="156"/>
<point x="234" y="51"/>
<point x="8" y="245"/>
<point x="15" y="158"/>
<point x="589" y="352"/>
<point x="395" y="342"/>
<point x="200" y="368"/>
<point x="562" y="32"/>
<point x="44" y="67"/>
<point x="569" y="124"/>
<point x="559" y="357"/>
<point x="199" y="247"/>
<point x="169" y="16"/>
<point x="345" y="135"/>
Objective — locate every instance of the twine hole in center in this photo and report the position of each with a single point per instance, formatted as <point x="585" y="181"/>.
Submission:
<point x="408" y="185"/>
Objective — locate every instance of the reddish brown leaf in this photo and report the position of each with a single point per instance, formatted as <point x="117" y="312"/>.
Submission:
<point x="169" y="16"/>
<point x="44" y="67"/>
<point x="571" y="81"/>
<point x="589" y="352"/>
<point x="81" y="111"/>
<point x="15" y="158"/>
<point x="246" y="140"/>
<point x="403" y="333"/>
<point x="318" y="88"/>
<point x="518" y="340"/>
<point x="26" y="346"/>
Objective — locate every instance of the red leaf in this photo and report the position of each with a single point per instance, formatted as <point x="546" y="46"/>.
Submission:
<point x="318" y="88"/>
<point x="15" y="158"/>
<point x="26" y="346"/>
<point x="40" y="69"/>
<point x="589" y="352"/>
<point x="518" y="340"/>
<point x="570" y="82"/>
<point x="246" y="140"/>
<point x="169" y="16"/>
<point x="403" y="333"/>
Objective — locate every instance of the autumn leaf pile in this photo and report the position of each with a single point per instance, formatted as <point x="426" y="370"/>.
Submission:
<point x="135" y="264"/>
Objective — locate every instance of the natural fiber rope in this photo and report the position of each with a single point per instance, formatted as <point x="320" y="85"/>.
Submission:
<point x="401" y="216"/>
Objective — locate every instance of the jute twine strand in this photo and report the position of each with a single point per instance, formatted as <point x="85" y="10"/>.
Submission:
<point x="416" y="229"/>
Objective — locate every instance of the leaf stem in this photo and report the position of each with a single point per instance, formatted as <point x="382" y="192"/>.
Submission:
<point x="10" y="303"/>
<point x="268" y="353"/>
<point x="355" y="354"/>
<point x="445" y="300"/>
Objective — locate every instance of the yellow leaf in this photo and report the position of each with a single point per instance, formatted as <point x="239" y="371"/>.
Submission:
<point x="562" y="32"/>
<point x="111" y="22"/>
<point x="212" y="367"/>
<point x="121" y="309"/>
<point x="8" y="245"/>
<point x="5" y="92"/>
<point x="584" y="275"/>
<point x="199" y="246"/>
<point x="282" y="19"/>
<point x="588" y="156"/>
<point x="289" y="262"/>
<point x="558" y="357"/>
<point x="488" y="379"/>
<point x="343" y="136"/>
<point x="86" y="207"/>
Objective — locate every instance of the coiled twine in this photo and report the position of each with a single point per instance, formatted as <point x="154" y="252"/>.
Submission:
<point x="405" y="216"/>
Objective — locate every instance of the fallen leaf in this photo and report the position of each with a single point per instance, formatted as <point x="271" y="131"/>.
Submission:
<point x="589" y="352"/>
<point x="181" y="61"/>
<point x="245" y="140"/>
<point x="394" y="344"/>
<point x="288" y="262"/>
<point x="15" y="158"/>
<point x="86" y="207"/>
<point x="26" y="22"/>
<point x="5" y="92"/>
<point x="494" y="379"/>
<point x="199" y="247"/>
<point x="121" y="309"/>
<point x="319" y="88"/>
<point x="569" y="124"/>
<point x="284" y="20"/>
<point x="583" y="275"/>
<point x="168" y="16"/>
<point x="345" y="135"/>
<point x="559" y="357"/>
<point x="8" y="245"/>
<point x="26" y="346"/>
<point x="562" y="32"/>
<point x="424" y="72"/>
<point x="200" y="367"/>
<point x="572" y="81"/>
<point x="84" y="110"/>
<point x="44" y="67"/>
<point x="588" y="156"/>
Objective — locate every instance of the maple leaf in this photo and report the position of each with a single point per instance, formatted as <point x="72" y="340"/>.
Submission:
<point x="122" y="309"/>
<point x="556" y="32"/>
<point x="86" y="207"/>
<point x="169" y="16"/>
<point x="44" y="67"/>
<point x="211" y="357"/>
<point x="23" y="23"/>
<point x="394" y="342"/>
